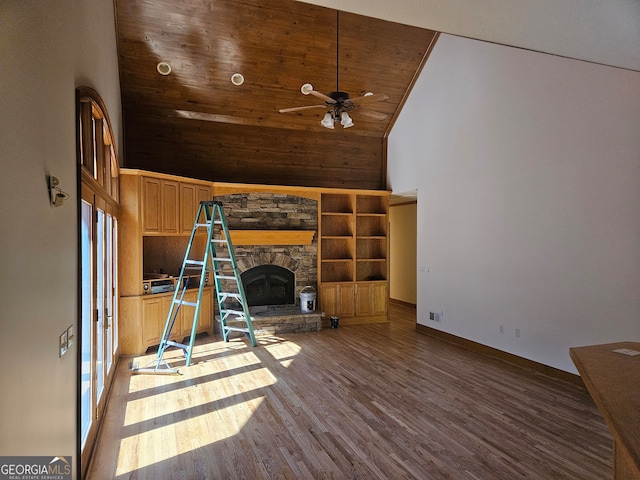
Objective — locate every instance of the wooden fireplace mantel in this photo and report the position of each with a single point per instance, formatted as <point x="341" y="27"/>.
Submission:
<point x="272" y="237"/>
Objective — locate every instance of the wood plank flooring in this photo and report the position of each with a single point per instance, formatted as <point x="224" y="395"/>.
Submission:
<point x="375" y="401"/>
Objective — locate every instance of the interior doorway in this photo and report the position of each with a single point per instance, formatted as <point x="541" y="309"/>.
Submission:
<point x="403" y="237"/>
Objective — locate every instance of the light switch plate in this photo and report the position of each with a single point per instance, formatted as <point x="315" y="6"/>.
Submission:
<point x="63" y="343"/>
<point x="71" y="336"/>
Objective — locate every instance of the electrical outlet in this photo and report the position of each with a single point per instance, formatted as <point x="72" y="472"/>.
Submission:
<point x="434" y="316"/>
<point x="501" y="328"/>
<point x="64" y="345"/>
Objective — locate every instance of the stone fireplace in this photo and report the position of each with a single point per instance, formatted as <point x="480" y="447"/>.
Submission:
<point x="274" y="273"/>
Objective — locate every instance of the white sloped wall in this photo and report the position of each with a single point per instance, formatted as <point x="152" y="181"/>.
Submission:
<point x="527" y="168"/>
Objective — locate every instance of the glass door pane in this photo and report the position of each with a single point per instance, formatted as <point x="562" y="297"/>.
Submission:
<point x="115" y="285"/>
<point x="100" y="303"/>
<point x="86" y="371"/>
<point x="109" y="307"/>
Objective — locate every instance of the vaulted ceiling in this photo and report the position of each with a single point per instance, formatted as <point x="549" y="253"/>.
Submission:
<point x="196" y="122"/>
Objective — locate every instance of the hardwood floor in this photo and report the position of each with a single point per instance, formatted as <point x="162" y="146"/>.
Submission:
<point x="375" y="401"/>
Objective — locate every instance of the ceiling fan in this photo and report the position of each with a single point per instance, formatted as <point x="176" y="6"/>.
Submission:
<point x="340" y="103"/>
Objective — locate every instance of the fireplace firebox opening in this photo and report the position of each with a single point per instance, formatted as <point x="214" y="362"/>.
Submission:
<point x="269" y="285"/>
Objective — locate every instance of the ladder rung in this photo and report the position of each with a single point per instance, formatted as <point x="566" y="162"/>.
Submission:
<point x="236" y="329"/>
<point x="184" y="302"/>
<point x="225" y="277"/>
<point x="229" y="294"/>
<point x="193" y="262"/>
<point x="232" y="312"/>
<point x="175" y="344"/>
<point x="201" y="225"/>
<point x="218" y="240"/>
<point x="222" y="259"/>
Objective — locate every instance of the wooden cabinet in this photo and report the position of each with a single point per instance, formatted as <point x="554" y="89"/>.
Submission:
<point x="152" y="311"/>
<point x="371" y="298"/>
<point x="160" y="205"/>
<point x="353" y="255"/>
<point x="158" y="212"/>
<point x="154" y="314"/>
<point x="191" y="195"/>
<point x="337" y="299"/>
<point x="170" y="206"/>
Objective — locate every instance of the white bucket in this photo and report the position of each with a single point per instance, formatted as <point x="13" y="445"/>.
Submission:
<point x="308" y="299"/>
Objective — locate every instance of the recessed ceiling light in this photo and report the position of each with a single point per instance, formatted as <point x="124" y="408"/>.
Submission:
<point x="237" y="79"/>
<point x="164" y="68"/>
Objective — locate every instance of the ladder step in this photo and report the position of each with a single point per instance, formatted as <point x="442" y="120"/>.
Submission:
<point x="184" y="302"/>
<point x="218" y="240"/>
<point x="193" y="262"/>
<point x="232" y="312"/>
<point x="176" y="344"/>
<point x="229" y="294"/>
<point x="225" y="277"/>
<point x="222" y="259"/>
<point x="236" y="329"/>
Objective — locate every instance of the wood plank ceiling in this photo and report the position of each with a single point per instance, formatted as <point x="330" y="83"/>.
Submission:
<point x="195" y="122"/>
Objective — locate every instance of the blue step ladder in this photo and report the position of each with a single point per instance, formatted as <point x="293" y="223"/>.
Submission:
<point x="219" y="260"/>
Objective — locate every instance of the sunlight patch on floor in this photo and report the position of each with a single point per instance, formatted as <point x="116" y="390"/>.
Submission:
<point x="169" y="441"/>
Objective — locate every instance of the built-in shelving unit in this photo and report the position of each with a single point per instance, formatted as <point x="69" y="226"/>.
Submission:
<point x="353" y="260"/>
<point x="371" y="237"/>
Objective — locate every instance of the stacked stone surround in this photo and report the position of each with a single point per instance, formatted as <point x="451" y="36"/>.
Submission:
<point x="267" y="211"/>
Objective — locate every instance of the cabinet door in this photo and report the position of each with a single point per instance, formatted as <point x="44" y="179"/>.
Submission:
<point x="153" y="319"/>
<point x="187" y="206"/>
<point x="190" y="197"/>
<point x="328" y="297"/>
<point x="371" y="298"/>
<point x="337" y="300"/>
<point x="170" y="206"/>
<point x="151" y="202"/>
<point x="205" y="318"/>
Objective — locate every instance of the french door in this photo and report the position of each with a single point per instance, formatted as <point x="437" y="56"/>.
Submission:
<point x="99" y="335"/>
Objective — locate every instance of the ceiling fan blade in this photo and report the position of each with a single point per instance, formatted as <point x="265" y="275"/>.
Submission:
<point x="324" y="97"/>
<point x="297" y="109"/>
<point x="376" y="97"/>
<point x="372" y="114"/>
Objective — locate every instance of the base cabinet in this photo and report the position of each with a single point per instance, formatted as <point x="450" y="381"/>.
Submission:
<point x="336" y="300"/>
<point x="143" y="319"/>
<point x="359" y="302"/>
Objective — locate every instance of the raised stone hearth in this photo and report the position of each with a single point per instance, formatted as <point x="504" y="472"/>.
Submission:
<point x="278" y="319"/>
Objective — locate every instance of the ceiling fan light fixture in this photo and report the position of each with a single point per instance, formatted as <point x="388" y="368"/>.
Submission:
<point x="346" y="120"/>
<point x="327" y="121"/>
<point x="306" y="89"/>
